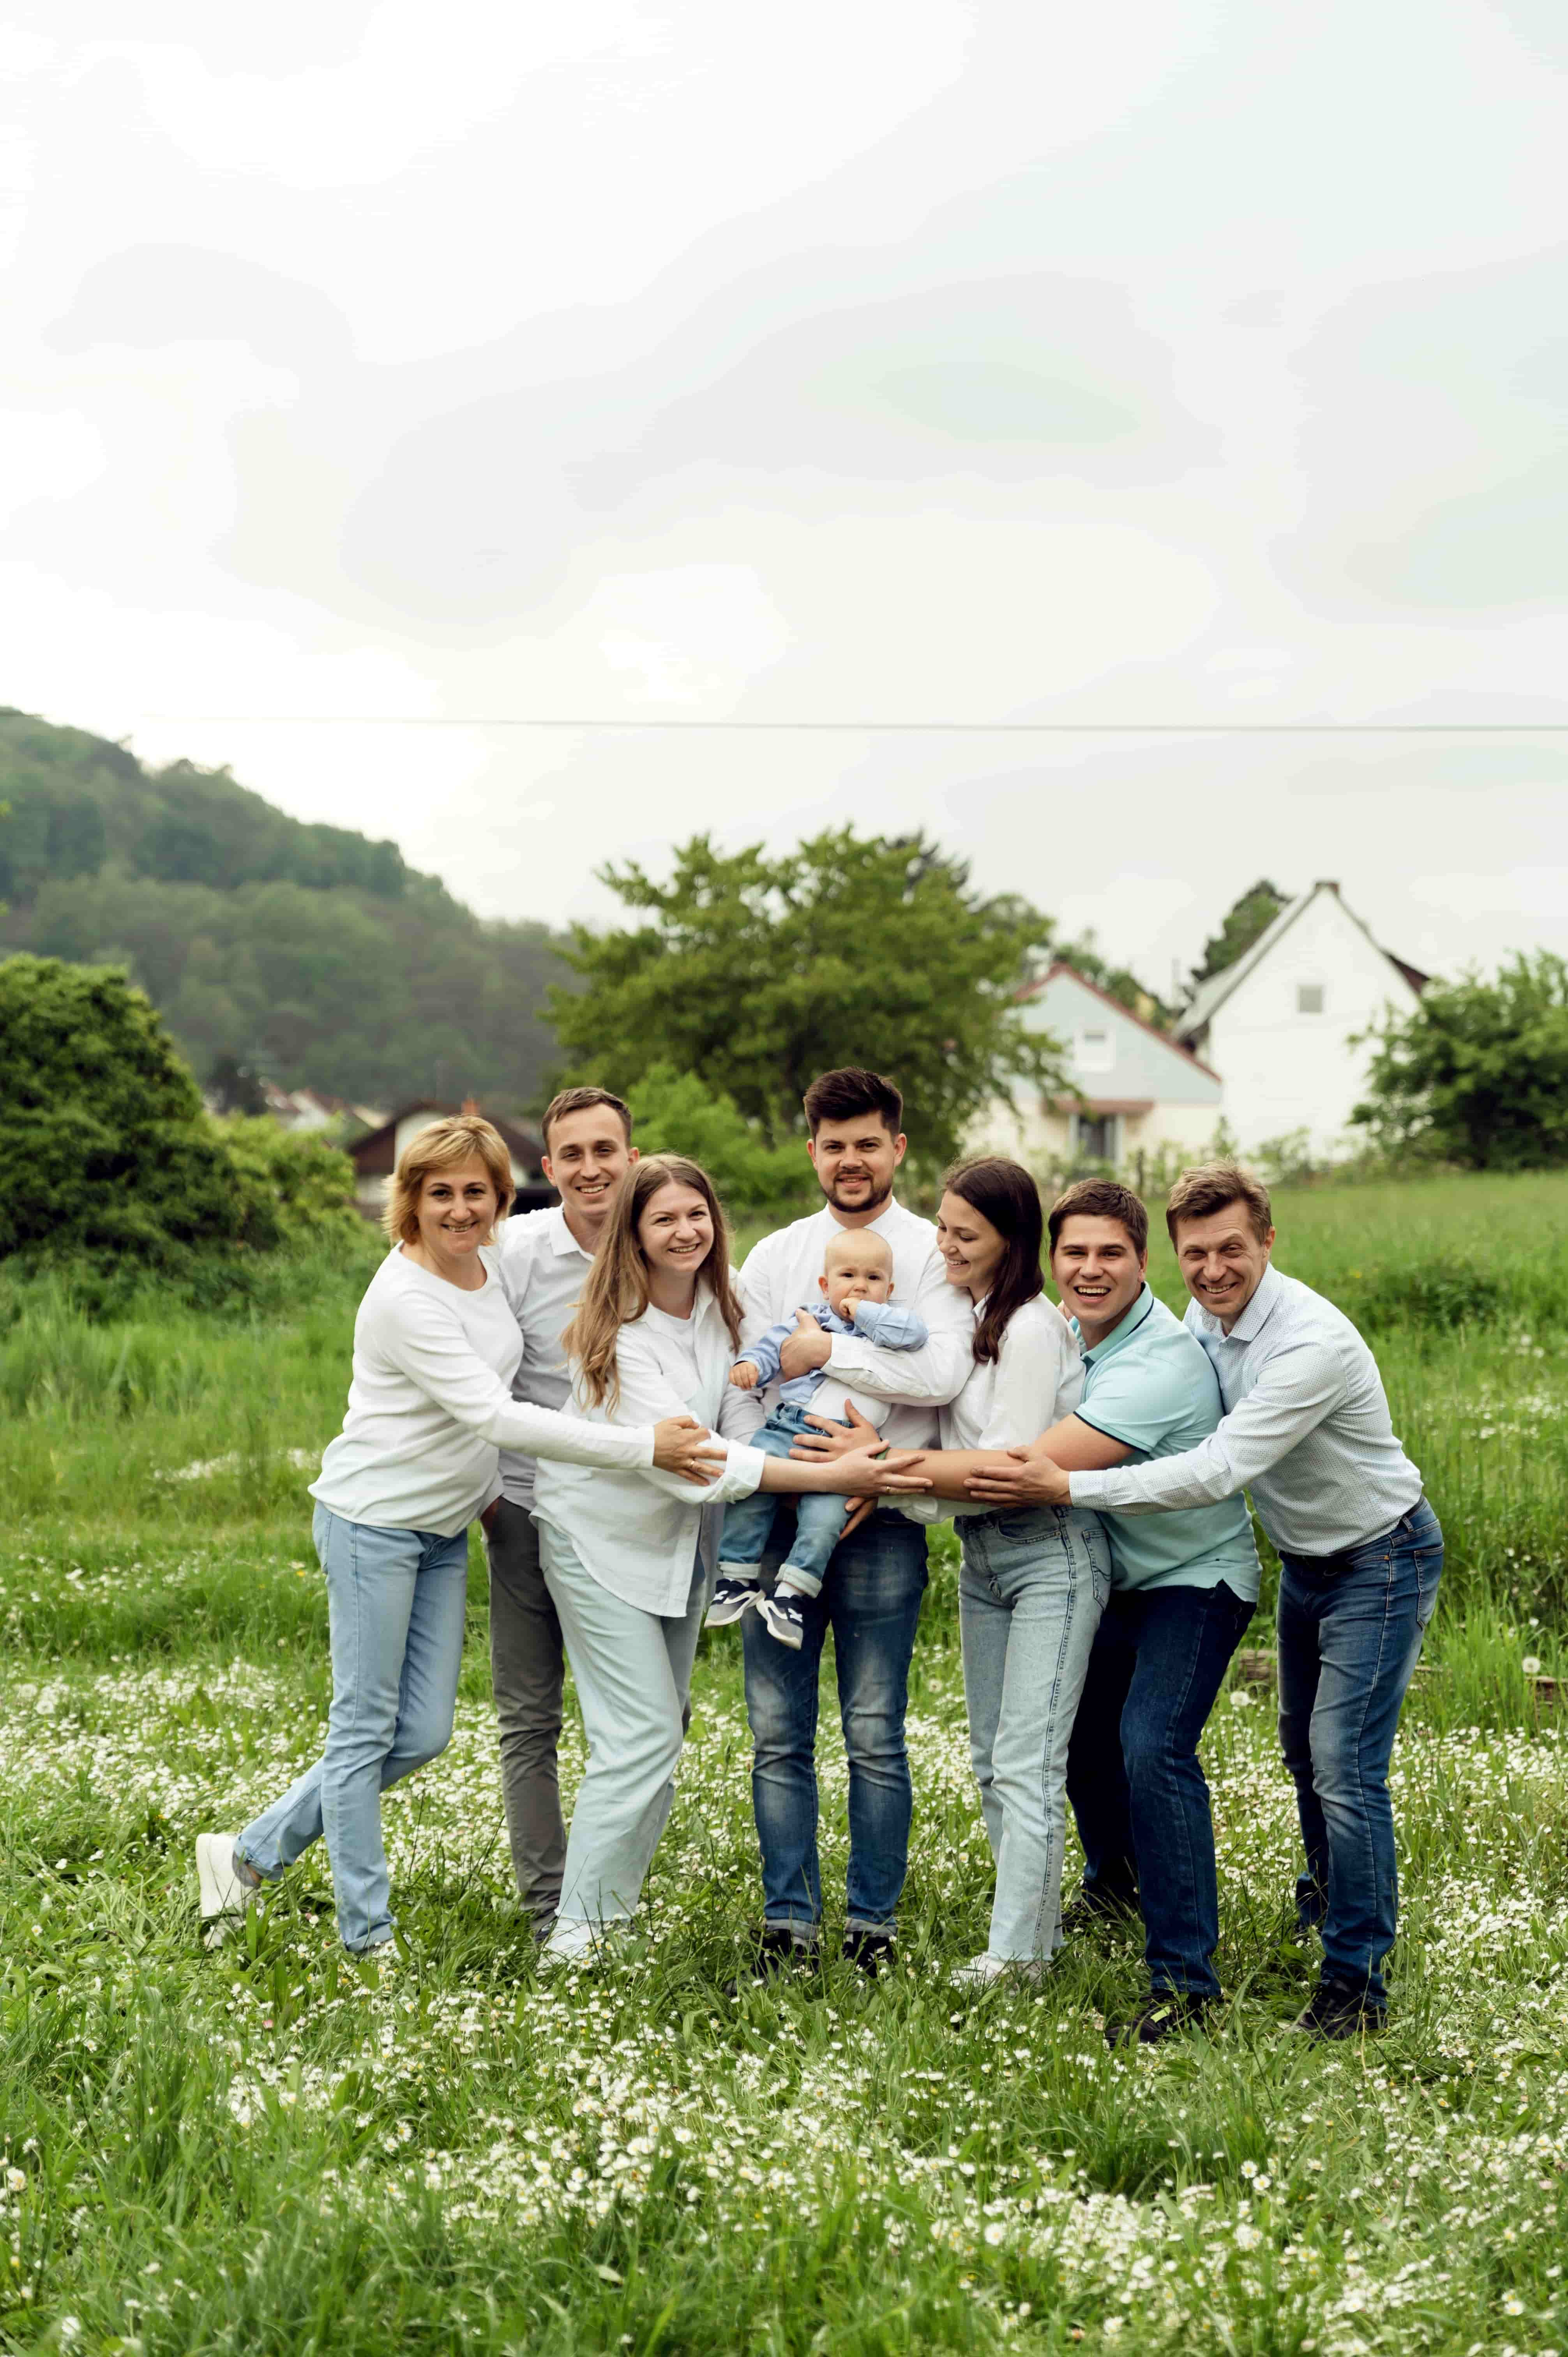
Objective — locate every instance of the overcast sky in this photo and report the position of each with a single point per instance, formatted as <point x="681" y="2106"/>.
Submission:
<point x="908" y="362"/>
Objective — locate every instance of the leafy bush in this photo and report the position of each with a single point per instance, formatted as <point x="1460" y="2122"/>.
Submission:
<point x="1479" y="1074"/>
<point x="104" y="1143"/>
<point x="674" y="1114"/>
<point x="292" y="1187"/>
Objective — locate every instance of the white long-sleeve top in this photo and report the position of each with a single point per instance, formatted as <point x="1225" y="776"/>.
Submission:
<point x="430" y="1405"/>
<point x="637" y="1532"/>
<point x="1035" y="1380"/>
<point x="782" y="1271"/>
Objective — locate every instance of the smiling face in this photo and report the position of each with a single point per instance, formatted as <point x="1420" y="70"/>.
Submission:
<point x="972" y="1248"/>
<point x="1222" y="1259"/>
<point x="456" y="1209"/>
<point x="1099" y="1273"/>
<point x="589" y="1156"/>
<point x="675" y="1229"/>
<point x="854" y="1160"/>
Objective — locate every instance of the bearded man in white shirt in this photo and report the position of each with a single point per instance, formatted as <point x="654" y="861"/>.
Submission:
<point x="1307" y="1429"/>
<point x="546" y="1257"/>
<point x="877" y="1577"/>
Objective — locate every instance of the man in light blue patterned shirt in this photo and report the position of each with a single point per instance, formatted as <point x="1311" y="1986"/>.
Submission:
<point x="1308" y="1431"/>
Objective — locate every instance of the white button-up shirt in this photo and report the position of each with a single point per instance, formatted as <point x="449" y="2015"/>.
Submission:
<point x="637" y="1532"/>
<point x="1306" y="1428"/>
<point x="1036" y="1380"/>
<point x="544" y="1269"/>
<point x="780" y="1277"/>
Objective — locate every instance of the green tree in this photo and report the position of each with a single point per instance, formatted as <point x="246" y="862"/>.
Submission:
<point x="675" y="1113"/>
<point x="1243" y="923"/>
<point x="104" y="1145"/>
<point x="757" y="972"/>
<point x="1478" y="1073"/>
<point x="292" y="1187"/>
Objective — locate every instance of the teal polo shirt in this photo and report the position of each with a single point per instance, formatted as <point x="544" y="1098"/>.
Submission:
<point x="1151" y="1385"/>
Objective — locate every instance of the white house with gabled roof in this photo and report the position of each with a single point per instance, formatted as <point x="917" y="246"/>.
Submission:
<point x="1141" y="1095"/>
<point x="1281" y="1025"/>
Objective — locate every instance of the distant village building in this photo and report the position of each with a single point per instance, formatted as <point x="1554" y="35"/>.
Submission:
<point x="1144" y="1096"/>
<point x="375" y="1157"/>
<point x="1280" y="1025"/>
<point x="312" y="1109"/>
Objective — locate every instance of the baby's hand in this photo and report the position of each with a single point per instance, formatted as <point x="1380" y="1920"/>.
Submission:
<point x="744" y="1376"/>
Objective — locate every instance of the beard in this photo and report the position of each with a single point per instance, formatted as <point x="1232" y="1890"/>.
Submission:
<point x="871" y="1201"/>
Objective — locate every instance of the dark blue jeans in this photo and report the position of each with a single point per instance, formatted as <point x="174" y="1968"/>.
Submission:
<point x="1350" y="1633"/>
<point x="1134" y="1778"/>
<point x="872" y="1604"/>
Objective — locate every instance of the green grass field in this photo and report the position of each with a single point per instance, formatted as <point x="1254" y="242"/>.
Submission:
<point x="268" y="2149"/>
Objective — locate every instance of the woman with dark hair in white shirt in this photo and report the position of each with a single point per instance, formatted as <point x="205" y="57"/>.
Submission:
<point x="436" y="1347"/>
<point x="1034" y="1581"/>
<point x="657" y="1333"/>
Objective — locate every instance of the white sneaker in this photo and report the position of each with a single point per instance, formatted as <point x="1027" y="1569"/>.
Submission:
<point x="577" y="1946"/>
<point x="224" y="1892"/>
<point x="984" y="1972"/>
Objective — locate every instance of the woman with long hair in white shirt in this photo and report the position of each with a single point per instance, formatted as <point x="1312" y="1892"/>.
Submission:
<point x="656" y="1333"/>
<point x="1034" y="1581"/>
<point x="430" y="1407"/>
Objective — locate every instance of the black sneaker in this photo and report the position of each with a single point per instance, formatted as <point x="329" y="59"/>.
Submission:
<point x="1339" y="2009"/>
<point x="1083" y="1916"/>
<point x="871" y="1952"/>
<point x="782" y="1615"/>
<point x="778" y="1951"/>
<point x="1165" y="2013"/>
<point x="731" y="1597"/>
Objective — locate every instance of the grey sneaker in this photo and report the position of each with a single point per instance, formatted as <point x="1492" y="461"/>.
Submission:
<point x="731" y="1597"/>
<point x="783" y="1618"/>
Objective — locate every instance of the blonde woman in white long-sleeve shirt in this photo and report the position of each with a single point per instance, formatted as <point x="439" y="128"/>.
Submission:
<point x="435" y="1348"/>
<point x="656" y="1333"/>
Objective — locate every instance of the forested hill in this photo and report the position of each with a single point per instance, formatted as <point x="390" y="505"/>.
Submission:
<point x="309" y="953"/>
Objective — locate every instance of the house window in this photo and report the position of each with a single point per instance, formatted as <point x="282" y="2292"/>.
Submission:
<point x="1096" y="1137"/>
<point x="1092" y="1051"/>
<point x="1309" y="998"/>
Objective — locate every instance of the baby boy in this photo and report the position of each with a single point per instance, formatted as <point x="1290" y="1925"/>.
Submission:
<point x="855" y="1285"/>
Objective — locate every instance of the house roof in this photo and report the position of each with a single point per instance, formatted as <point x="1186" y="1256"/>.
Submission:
<point x="1177" y="1046"/>
<point x="375" y="1154"/>
<point x="1210" y="996"/>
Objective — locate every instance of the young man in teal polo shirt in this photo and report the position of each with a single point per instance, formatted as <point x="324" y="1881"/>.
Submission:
<point x="1184" y="1588"/>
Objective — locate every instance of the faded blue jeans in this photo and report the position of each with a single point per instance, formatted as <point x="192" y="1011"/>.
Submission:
<point x="873" y="1606"/>
<point x="1033" y="1584"/>
<point x="1350" y="1631"/>
<point x="819" y="1516"/>
<point x="395" y="1603"/>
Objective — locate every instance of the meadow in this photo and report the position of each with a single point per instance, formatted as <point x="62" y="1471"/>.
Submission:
<point x="268" y="2148"/>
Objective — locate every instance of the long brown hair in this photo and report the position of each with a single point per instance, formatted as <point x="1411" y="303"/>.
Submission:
<point x="1004" y="1193"/>
<point x="617" y="1290"/>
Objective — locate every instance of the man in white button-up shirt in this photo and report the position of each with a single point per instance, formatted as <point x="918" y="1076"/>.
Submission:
<point x="871" y="1596"/>
<point x="1307" y="1429"/>
<point x="546" y="1257"/>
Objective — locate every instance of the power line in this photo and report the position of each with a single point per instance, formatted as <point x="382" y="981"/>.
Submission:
<point x="873" y="727"/>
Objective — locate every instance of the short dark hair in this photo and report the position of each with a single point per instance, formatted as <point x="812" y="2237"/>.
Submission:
<point x="1101" y="1199"/>
<point x="1213" y="1187"/>
<point x="582" y="1101"/>
<point x="1004" y="1193"/>
<point x="839" y="1096"/>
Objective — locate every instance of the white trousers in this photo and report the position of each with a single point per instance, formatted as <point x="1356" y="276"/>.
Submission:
<point x="633" y="1674"/>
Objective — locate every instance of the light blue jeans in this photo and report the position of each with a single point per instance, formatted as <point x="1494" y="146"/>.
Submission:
<point x="1033" y="1584"/>
<point x="395" y="1603"/>
<point x="633" y="1674"/>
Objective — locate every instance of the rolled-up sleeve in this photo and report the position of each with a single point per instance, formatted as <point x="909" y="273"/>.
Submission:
<point x="1299" y="1387"/>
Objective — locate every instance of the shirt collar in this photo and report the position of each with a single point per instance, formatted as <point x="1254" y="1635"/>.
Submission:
<point x="561" y="1239"/>
<point x="1122" y="1331"/>
<point x="1264" y="1301"/>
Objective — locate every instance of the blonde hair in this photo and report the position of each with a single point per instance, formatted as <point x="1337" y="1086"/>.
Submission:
<point x="617" y="1290"/>
<point x="464" y="1137"/>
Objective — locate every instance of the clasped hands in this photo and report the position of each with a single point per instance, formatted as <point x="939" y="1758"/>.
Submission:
<point x="1025" y="1476"/>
